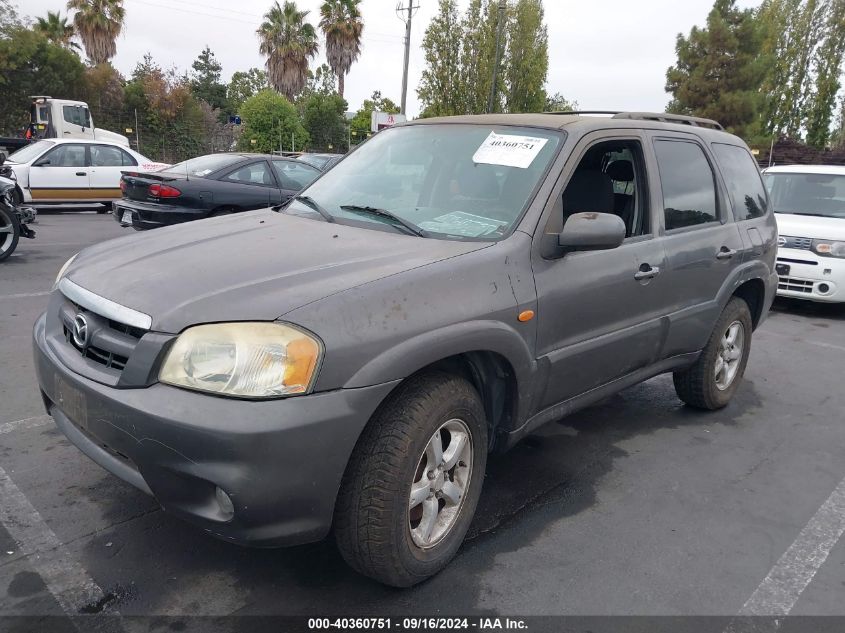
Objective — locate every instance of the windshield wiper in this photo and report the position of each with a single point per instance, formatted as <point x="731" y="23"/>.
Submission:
<point x="313" y="204"/>
<point x="384" y="213"/>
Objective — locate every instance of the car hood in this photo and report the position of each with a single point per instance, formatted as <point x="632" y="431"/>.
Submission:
<point x="251" y="266"/>
<point x="811" y="226"/>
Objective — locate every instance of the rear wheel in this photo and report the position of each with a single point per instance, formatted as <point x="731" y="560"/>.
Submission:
<point x="413" y="482"/>
<point x="714" y="378"/>
<point x="10" y="232"/>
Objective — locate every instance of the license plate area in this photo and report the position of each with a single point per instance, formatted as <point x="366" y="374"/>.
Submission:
<point x="782" y="270"/>
<point x="126" y="218"/>
<point x="72" y="402"/>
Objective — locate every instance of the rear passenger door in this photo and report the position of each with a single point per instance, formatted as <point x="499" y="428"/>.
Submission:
<point x="107" y="163"/>
<point x="703" y="245"/>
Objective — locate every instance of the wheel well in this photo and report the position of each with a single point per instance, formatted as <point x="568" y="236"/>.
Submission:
<point x="493" y="377"/>
<point x="753" y="292"/>
<point x="225" y="207"/>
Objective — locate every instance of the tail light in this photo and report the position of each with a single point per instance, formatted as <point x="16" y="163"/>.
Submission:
<point x="164" y="191"/>
<point x="122" y="185"/>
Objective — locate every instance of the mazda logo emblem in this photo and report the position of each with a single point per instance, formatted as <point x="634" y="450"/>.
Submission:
<point x="781" y="241"/>
<point x="80" y="331"/>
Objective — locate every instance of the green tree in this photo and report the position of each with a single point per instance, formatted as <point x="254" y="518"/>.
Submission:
<point x="32" y="65"/>
<point x="558" y="103"/>
<point x="324" y="119"/>
<point x="205" y="82"/>
<point x="718" y="72"/>
<point x="478" y="55"/>
<point x="56" y="29"/>
<point x="361" y="123"/>
<point x="98" y="23"/>
<point x="271" y="121"/>
<point x="103" y="91"/>
<point x="341" y="23"/>
<point x="288" y="42"/>
<point x="527" y="61"/>
<point x="441" y="88"/>
<point x="827" y="65"/>
<point x="8" y="16"/>
<point x="245" y="84"/>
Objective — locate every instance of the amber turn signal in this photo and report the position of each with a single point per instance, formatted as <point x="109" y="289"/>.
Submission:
<point x="526" y="315"/>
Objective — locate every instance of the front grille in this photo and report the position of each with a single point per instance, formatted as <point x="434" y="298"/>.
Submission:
<point x="800" y="243"/>
<point x="795" y="285"/>
<point x="110" y="343"/>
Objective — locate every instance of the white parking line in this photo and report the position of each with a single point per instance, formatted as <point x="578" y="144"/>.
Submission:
<point x="23" y="295"/>
<point x="65" y="578"/>
<point x="26" y="423"/>
<point x="787" y="580"/>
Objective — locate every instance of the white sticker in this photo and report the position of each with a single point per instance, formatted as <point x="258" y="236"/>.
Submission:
<point x="510" y="150"/>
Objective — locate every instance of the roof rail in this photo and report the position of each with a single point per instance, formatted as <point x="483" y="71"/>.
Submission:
<point x="663" y="117"/>
<point x="585" y="112"/>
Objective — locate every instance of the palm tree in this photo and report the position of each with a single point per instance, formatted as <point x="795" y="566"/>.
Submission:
<point x="289" y="42"/>
<point x="98" y="23"/>
<point x="56" y="29"/>
<point x="342" y="25"/>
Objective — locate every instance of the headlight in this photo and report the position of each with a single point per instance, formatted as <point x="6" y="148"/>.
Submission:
<point x="827" y="248"/>
<point x="63" y="270"/>
<point x="246" y="360"/>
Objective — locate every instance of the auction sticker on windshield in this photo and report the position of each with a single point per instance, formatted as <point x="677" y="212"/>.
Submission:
<point x="510" y="150"/>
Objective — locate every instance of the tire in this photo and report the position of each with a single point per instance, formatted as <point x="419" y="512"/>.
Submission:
<point x="10" y="232"/>
<point x="378" y="530"/>
<point x="711" y="382"/>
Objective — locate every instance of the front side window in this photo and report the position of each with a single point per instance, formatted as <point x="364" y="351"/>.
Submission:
<point x="76" y="115"/>
<point x="66" y="156"/>
<point x="743" y="180"/>
<point x="807" y="194"/>
<point x="689" y="190"/>
<point x="252" y="174"/>
<point x="452" y="181"/>
<point x="107" y="156"/>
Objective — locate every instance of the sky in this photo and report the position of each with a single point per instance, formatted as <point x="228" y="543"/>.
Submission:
<point x="605" y="54"/>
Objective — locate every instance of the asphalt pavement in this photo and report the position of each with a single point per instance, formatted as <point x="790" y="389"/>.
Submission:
<point x="636" y="506"/>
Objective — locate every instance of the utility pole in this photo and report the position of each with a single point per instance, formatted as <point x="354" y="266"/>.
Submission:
<point x="499" y="28"/>
<point x="406" y="14"/>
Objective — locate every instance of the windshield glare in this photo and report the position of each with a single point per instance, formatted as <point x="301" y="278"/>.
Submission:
<point x="812" y="194"/>
<point x="29" y="152"/>
<point x="452" y="181"/>
<point x="204" y="165"/>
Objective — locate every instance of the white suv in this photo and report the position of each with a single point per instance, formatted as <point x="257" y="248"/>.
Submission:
<point x="809" y="201"/>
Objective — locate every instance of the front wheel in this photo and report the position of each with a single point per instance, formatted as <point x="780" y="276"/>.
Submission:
<point x="10" y="232"/>
<point x="413" y="481"/>
<point x="714" y="378"/>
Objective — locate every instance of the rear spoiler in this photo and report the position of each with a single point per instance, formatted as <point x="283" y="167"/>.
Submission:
<point x="161" y="177"/>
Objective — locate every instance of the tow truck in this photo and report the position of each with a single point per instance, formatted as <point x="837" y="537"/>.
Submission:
<point x="59" y="118"/>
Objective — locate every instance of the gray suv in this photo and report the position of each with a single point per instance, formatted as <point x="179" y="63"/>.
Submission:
<point x="349" y="361"/>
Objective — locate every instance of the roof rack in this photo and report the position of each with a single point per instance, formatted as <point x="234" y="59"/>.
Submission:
<point x="661" y="117"/>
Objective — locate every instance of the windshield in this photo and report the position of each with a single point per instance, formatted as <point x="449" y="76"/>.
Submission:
<point x="29" y="152"/>
<point x="451" y="181"/>
<point x="807" y="194"/>
<point x="204" y="165"/>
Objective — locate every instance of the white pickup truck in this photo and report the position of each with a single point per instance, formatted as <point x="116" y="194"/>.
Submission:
<point x="59" y="118"/>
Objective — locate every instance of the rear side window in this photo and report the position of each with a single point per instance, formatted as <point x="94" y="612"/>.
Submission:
<point x="108" y="156"/>
<point x="294" y="176"/>
<point x="689" y="191"/>
<point x="743" y="180"/>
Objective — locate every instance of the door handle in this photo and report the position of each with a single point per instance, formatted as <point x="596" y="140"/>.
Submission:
<point x="82" y="173"/>
<point x="646" y="272"/>
<point x="725" y="253"/>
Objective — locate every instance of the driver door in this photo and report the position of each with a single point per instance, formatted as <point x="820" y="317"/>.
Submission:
<point x="601" y="314"/>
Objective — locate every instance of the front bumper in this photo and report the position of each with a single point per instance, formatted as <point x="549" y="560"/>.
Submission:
<point x="280" y="461"/>
<point x="146" y="216"/>
<point x="810" y="276"/>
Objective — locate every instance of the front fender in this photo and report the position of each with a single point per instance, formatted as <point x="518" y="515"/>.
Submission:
<point x="411" y="355"/>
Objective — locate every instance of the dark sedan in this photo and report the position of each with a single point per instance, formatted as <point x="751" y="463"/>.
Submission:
<point x="207" y="186"/>
<point x="320" y="161"/>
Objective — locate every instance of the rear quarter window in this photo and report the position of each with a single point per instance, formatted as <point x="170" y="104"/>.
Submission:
<point x="743" y="180"/>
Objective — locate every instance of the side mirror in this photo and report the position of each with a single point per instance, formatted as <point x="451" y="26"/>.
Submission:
<point x="592" y="232"/>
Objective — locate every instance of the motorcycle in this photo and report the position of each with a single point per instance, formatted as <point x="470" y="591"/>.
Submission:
<point x="14" y="219"/>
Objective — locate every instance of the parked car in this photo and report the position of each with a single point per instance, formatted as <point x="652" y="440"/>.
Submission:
<point x="208" y="186"/>
<point x="320" y="161"/>
<point x="809" y="203"/>
<point x="347" y="362"/>
<point x="73" y="170"/>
